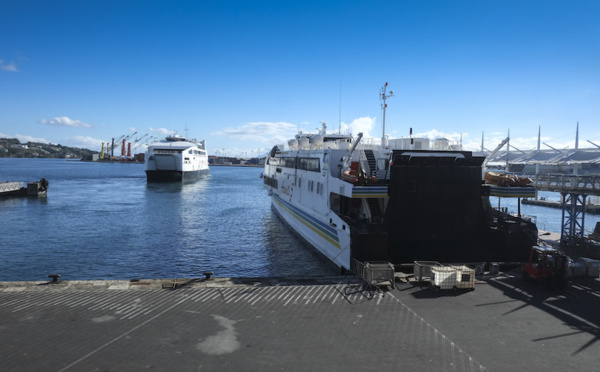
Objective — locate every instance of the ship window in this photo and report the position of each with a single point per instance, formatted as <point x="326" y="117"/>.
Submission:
<point x="302" y="163"/>
<point x="299" y="182"/>
<point x="309" y="164"/>
<point x="167" y="151"/>
<point x="290" y="163"/>
<point x="190" y="152"/>
<point x="278" y="170"/>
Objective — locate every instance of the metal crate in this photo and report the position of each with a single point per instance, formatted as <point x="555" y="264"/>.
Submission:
<point x="374" y="274"/>
<point x="422" y="270"/>
<point x="379" y="273"/>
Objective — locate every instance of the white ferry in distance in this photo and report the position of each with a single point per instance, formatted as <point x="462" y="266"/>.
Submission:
<point x="398" y="201"/>
<point x="176" y="159"/>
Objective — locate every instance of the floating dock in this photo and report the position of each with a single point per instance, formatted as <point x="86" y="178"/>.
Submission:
<point x="271" y="324"/>
<point x="20" y="189"/>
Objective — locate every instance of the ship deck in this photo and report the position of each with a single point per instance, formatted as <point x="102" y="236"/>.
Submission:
<point x="297" y="324"/>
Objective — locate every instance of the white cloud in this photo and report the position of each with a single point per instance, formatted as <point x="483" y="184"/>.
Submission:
<point x="85" y="142"/>
<point x="12" y="67"/>
<point x="434" y="134"/>
<point x="23" y="138"/>
<point x="364" y="125"/>
<point x="65" y="122"/>
<point x="263" y="132"/>
<point x="161" y="131"/>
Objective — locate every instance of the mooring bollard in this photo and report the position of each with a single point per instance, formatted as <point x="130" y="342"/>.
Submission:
<point x="54" y="277"/>
<point x="208" y="274"/>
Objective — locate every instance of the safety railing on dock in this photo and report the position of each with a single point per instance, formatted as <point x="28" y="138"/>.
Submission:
<point x="10" y="186"/>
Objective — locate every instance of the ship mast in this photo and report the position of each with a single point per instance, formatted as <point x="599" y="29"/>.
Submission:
<point x="383" y="97"/>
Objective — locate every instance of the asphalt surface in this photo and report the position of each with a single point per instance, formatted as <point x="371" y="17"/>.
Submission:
<point x="305" y="324"/>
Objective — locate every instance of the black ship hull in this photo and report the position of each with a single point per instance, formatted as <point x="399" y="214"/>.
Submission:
<point x="174" y="176"/>
<point x="439" y="210"/>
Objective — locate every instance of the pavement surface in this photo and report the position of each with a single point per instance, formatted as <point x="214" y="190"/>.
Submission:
<point x="304" y="324"/>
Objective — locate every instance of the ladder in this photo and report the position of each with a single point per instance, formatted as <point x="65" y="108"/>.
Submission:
<point x="372" y="162"/>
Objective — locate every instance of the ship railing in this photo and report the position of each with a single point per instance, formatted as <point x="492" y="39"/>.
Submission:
<point x="369" y="144"/>
<point x="374" y="275"/>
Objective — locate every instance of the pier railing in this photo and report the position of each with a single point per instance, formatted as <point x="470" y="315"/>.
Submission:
<point x="587" y="184"/>
<point x="10" y="186"/>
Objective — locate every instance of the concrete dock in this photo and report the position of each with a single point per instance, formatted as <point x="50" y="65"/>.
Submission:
<point x="305" y="324"/>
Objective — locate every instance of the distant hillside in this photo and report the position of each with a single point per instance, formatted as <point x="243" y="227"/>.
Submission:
<point x="13" y="148"/>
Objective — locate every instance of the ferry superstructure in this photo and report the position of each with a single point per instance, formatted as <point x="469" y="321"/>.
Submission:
<point x="176" y="159"/>
<point x="396" y="201"/>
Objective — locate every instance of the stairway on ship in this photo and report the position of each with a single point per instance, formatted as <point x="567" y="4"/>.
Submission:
<point x="375" y="209"/>
<point x="371" y="161"/>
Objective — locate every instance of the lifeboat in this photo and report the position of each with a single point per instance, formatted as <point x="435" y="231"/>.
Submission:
<point x="507" y="180"/>
<point x="356" y="176"/>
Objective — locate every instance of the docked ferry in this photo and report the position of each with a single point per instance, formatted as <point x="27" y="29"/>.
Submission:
<point x="176" y="159"/>
<point x="398" y="201"/>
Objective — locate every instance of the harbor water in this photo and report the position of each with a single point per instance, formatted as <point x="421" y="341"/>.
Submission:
<point x="104" y="221"/>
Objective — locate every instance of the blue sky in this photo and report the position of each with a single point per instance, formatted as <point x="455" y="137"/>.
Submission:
<point x="245" y="75"/>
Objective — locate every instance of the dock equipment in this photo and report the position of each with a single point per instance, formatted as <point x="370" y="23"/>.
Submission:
<point x="422" y="269"/>
<point x="374" y="275"/>
<point x="452" y="277"/>
<point x="547" y="266"/>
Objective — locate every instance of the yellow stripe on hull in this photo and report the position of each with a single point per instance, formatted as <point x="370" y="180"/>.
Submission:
<point x="309" y="225"/>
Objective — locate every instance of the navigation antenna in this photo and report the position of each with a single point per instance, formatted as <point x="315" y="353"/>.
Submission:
<point x="340" y="118"/>
<point x="383" y="97"/>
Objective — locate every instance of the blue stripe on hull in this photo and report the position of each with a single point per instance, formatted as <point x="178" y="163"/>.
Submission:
<point x="369" y="191"/>
<point x="323" y="230"/>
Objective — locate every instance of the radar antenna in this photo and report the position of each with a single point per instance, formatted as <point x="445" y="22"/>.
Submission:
<point x="383" y="97"/>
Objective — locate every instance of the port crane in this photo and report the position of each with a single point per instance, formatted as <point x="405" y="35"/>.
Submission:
<point x="116" y="143"/>
<point x="113" y="146"/>
<point x="140" y="143"/>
